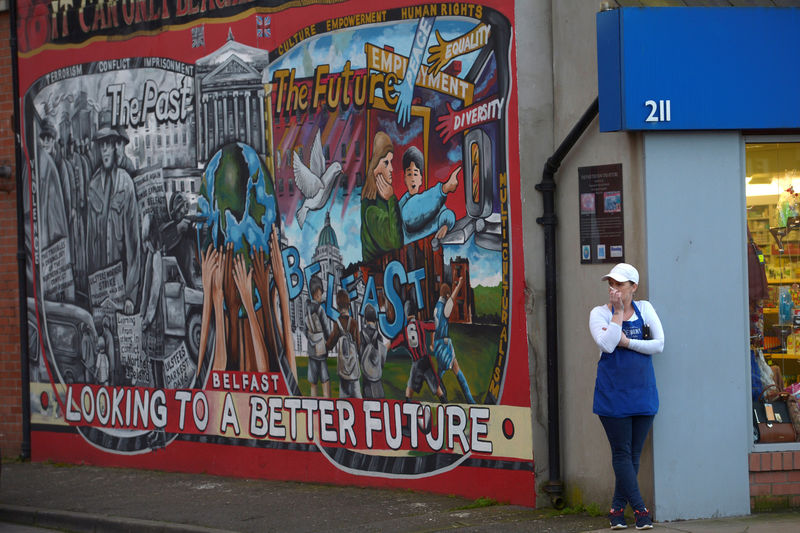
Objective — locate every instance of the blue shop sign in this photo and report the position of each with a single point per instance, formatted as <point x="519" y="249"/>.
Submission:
<point x="699" y="68"/>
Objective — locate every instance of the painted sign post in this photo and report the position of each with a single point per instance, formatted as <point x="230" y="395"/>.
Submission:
<point x="278" y="241"/>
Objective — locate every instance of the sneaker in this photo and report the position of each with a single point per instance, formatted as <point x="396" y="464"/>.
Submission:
<point x="617" y="519"/>
<point x="643" y="520"/>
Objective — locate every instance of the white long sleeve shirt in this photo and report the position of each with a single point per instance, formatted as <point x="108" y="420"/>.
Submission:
<point x="606" y="334"/>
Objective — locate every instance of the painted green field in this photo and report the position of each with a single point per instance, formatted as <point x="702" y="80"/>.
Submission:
<point x="487" y="300"/>
<point x="476" y="349"/>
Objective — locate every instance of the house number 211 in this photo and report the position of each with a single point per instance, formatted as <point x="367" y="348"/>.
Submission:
<point x="659" y="111"/>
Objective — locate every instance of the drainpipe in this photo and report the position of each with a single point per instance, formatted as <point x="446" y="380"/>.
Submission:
<point x="555" y="486"/>
<point x="25" y="447"/>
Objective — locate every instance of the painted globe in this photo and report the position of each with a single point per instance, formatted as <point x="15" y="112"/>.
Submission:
<point x="237" y="200"/>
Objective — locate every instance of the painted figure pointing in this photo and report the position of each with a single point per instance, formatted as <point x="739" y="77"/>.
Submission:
<point x="316" y="182"/>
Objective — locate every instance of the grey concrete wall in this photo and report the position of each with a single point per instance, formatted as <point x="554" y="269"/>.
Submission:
<point x="697" y="270"/>
<point x="557" y="81"/>
<point x="672" y="236"/>
<point x="535" y="88"/>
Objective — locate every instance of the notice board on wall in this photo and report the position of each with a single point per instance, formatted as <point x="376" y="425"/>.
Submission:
<point x="602" y="228"/>
<point x="274" y="239"/>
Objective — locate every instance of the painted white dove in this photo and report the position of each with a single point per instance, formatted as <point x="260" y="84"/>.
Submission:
<point x="314" y="184"/>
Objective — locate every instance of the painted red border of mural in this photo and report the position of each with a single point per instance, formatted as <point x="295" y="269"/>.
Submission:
<point x="503" y="484"/>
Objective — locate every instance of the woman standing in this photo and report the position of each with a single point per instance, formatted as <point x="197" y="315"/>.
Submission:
<point x="628" y="333"/>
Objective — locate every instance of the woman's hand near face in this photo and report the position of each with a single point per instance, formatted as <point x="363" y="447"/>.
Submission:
<point x="615" y="300"/>
<point x="615" y="303"/>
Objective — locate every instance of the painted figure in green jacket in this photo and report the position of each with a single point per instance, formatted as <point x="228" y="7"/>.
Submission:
<point x="381" y="221"/>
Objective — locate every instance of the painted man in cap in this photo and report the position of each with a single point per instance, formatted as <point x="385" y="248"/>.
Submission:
<point x="52" y="212"/>
<point x="123" y="161"/>
<point x="114" y="233"/>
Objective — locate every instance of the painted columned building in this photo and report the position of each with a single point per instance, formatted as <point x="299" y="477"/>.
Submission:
<point x="230" y="98"/>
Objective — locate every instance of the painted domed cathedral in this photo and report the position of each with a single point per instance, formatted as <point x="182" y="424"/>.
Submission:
<point x="328" y="254"/>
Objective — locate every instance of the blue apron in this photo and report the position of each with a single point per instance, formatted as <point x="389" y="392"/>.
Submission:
<point x="626" y="381"/>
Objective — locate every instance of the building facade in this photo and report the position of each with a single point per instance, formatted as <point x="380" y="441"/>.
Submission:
<point x="684" y="168"/>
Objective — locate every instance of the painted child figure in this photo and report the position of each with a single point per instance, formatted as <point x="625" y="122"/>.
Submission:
<point x="423" y="210"/>
<point x="317" y="332"/>
<point x="345" y="338"/>
<point x="412" y="338"/>
<point x="373" y="354"/>
<point x="442" y="344"/>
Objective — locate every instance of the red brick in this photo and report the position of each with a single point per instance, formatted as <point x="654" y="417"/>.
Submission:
<point x="787" y="461"/>
<point x="10" y="384"/>
<point x="754" y="462"/>
<point x="777" y="461"/>
<point x="766" y="461"/>
<point x="769" y="477"/>
<point x="793" y="475"/>
<point x="764" y="489"/>
<point x="784" y="489"/>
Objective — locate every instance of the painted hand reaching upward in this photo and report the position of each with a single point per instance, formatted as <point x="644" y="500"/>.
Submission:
<point x="218" y="295"/>
<point x="276" y="260"/>
<point x="229" y="286"/>
<point x="437" y="57"/>
<point x="244" y="285"/>
<point x="405" y="96"/>
<point x="260" y="273"/>
<point x="243" y="278"/>
<point x="279" y="276"/>
<point x="209" y="266"/>
<point x="217" y="279"/>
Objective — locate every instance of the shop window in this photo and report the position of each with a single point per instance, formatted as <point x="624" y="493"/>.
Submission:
<point x="773" y="248"/>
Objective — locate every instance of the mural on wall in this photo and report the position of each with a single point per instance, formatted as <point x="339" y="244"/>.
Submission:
<point x="282" y="229"/>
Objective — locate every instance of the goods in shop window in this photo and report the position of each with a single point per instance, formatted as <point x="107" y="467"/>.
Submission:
<point x="794" y="390"/>
<point x="794" y="292"/>
<point x="772" y="298"/>
<point x="785" y="305"/>
<point x="787" y="206"/>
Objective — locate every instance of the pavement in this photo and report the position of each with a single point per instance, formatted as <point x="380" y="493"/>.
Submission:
<point x="94" y="499"/>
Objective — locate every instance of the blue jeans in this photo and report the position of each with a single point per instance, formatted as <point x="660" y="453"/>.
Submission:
<point x="626" y="437"/>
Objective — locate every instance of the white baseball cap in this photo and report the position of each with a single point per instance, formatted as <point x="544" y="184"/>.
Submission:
<point x="623" y="272"/>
